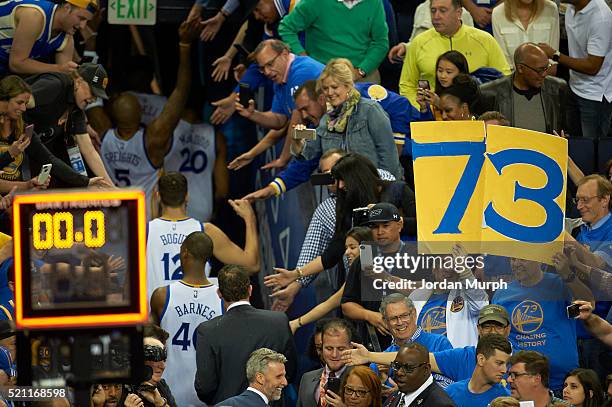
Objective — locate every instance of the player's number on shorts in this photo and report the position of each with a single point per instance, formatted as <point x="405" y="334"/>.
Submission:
<point x="193" y="161"/>
<point x="123" y="177"/>
<point x="177" y="274"/>
<point x="181" y="338"/>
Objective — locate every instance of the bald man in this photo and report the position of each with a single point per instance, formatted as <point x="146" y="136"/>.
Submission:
<point x="132" y="154"/>
<point x="530" y="98"/>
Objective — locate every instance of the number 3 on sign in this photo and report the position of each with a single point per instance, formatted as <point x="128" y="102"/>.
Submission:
<point x="530" y="209"/>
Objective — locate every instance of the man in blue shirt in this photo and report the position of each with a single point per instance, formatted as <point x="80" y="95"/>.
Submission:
<point x="399" y="315"/>
<point x="492" y="353"/>
<point x="456" y="364"/>
<point x="537" y="304"/>
<point x="288" y="72"/>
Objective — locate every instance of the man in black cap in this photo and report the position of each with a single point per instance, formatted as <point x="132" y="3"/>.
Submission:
<point x="57" y="109"/>
<point x="364" y="290"/>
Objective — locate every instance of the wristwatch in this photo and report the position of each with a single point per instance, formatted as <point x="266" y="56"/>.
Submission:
<point x="361" y="72"/>
<point x="556" y="56"/>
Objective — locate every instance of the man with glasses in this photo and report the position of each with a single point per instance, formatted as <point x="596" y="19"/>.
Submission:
<point x="456" y="364"/>
<point x="492" y="353"/>
<point x="413" y="377"/>
<point x="528" y="378"/>
<point x="531" y="98"/>
<point x="400" y="317"/>
<point x="288" y="71"/>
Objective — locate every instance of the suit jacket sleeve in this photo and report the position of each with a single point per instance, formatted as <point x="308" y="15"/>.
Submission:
<point x="290" y="352"/>
<point x="206" y="380"/>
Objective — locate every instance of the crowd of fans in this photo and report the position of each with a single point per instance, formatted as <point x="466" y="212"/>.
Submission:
<point x="337" y="83"/>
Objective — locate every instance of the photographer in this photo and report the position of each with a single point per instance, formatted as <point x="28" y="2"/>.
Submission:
<point x="154" y="391"/>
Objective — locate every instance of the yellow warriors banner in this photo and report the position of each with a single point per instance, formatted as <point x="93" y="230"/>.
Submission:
<point x="498" y="190"/>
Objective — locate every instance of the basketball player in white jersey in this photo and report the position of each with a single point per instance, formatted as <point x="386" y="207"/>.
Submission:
<point x="166" y="234"/>
<point x="199" y="153"/>
<point x="134" y="155"/>
<point x="179" y="308"/>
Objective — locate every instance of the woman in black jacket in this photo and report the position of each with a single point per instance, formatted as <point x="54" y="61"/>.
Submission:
<point x="359" y="185"/>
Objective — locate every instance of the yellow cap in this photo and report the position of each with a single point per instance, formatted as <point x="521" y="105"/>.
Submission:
<point x="89" y="5"/>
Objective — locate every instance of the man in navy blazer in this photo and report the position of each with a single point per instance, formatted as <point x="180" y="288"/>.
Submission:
<point x="265" y="371"/>
<point x="225" y="342"/>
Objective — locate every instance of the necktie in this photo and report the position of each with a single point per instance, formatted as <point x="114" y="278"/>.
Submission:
<point x="322" y="383"/>
<point x="402" y="402"/>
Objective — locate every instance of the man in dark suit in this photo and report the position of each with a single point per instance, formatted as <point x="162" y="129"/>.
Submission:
<point x="265" y="371"/>
<point x="225" y="342"/>
<point x="414" y="380"/>
<point x="336" y="337"/>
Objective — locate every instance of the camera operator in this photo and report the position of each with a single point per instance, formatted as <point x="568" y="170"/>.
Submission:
<point x="154" y="391"/>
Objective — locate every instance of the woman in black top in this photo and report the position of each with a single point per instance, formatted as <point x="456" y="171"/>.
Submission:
<point x="358" y="185"/>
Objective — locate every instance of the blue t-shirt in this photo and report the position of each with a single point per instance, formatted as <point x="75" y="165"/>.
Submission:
<point x="457" y="364"/>
<point x="463" y="397"/>
<point x="432" y="317"/>
<point x="540" y="323"/>
<point x="302" y="69"/>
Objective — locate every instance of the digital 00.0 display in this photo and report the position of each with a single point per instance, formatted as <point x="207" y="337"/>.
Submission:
<point x="79" y="258"/>
<point x="57" y="230"/>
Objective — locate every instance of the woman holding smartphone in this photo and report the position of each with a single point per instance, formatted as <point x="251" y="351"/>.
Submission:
<point x="16" y="143"/>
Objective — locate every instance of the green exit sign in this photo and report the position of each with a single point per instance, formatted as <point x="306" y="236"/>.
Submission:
<point x="137" y="12"/>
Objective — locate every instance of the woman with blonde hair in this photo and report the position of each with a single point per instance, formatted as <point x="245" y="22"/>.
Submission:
<point x="519" y="21"/>
<point x="352" y="123"/>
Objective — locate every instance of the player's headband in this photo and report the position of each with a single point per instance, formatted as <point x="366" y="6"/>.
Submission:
<point x="88" y="5"/>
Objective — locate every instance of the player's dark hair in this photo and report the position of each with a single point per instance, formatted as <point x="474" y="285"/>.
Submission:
<point x="172" y="189"/>
<point x="234" y="283"/>
<point x="489" y="343"/>
<point x="199" y="245"/>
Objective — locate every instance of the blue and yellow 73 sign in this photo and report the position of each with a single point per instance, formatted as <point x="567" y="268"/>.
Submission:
<point x="499" y="190"/>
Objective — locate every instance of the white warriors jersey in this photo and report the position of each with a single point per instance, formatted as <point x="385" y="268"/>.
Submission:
<point x="151" y="104"/>
<point x="193" y="155"/>
<point x="128" y="164"/>
<point x="164" y="239"/>
<point x="186" y="307"/>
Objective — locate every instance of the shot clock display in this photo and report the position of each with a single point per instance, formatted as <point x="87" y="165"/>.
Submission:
<point x="79" y="258"/>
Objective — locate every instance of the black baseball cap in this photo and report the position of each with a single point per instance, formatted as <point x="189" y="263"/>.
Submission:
<point x="97" y="78"/>
<point x="383" y="212"/>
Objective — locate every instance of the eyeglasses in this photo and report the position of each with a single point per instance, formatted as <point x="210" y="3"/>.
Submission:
<point x="514" y="375"/>
<point x="491" y="327"/>
<point x="408" y="369"/>
<point x="268" y="65"/>
<point x="349" y="391"/>
<point x="539" y="71"/>
<point x="583" y="200"/>
<point x="400" y="318"/>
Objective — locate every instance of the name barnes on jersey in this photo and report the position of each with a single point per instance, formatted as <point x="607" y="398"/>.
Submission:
<point x="195" y="308"/>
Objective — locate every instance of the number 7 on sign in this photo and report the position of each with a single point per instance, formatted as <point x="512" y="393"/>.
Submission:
<point x="467" y="184"/>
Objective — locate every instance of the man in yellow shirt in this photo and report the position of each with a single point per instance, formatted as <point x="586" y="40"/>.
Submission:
<point x="448" y="33"/>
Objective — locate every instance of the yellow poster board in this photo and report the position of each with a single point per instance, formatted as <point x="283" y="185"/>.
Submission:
<point x="499" y="190"/>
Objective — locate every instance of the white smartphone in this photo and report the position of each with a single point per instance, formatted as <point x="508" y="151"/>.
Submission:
<point x="365" y="257"/>
<point x="526" y="404"/>
<point x="44" y="173"/>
